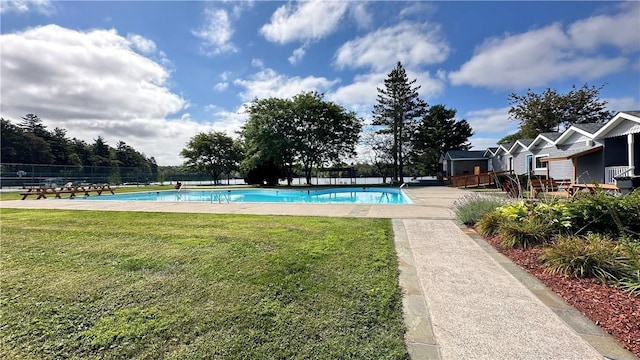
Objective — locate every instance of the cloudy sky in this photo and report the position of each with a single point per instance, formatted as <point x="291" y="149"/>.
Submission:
<point x="155" y="73"/>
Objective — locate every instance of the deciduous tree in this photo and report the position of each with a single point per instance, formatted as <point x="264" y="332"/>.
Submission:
<point x="213" y="153"/>
<point x="324" y="131"/>
<point x="550" y="110"/>
<point x="269" y="139"/>
<point x="304" y="130"/>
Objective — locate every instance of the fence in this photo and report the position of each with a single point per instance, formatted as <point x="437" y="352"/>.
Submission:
<point x="25" y="175"/>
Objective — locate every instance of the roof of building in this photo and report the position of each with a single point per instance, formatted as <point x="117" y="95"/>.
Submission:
<point x="465" y="154"/>
<point x="507" y="146"/>
<point x="551" y="135"/>
<point x="635" y="113"/>
<point x="525" y="142"/>
<point x="591" y="128"/>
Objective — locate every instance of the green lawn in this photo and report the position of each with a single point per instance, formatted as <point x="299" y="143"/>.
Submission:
<point x="89" y="284"/>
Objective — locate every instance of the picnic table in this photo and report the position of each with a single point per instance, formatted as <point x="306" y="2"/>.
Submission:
<point x="43" y="192"/>
<point x="553" y="187"/>
<point x="592" y="188"/>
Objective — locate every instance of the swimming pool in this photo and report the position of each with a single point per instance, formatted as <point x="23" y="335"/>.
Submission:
<point x="365" y="195"/>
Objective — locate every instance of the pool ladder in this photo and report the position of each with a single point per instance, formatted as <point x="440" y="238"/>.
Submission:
<point x="220" y="197"/>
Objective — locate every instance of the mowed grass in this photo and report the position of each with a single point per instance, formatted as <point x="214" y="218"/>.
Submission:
<point x="89" y="284"/>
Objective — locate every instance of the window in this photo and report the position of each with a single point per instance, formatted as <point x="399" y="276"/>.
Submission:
<point x="539" y="164"/>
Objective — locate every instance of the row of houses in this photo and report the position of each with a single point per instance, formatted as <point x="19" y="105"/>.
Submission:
<point x="583" y="153"/>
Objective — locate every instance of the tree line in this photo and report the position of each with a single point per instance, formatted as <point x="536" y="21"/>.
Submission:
<point x="30" y="142"/>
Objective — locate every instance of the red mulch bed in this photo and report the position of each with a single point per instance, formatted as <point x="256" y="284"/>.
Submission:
<point x="612" y="309"/>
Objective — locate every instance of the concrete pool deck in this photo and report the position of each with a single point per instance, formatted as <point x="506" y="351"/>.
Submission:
<point x="462" y="299"/>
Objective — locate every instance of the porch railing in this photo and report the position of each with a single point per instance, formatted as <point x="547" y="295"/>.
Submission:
<point x="476" y="180"/>
<point x="610" y="172"/>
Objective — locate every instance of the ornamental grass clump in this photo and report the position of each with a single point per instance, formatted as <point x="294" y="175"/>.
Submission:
<point x="489" y="224"/>
<point x="595" y="255"/>
<point x="470" y="208"/>
<point x="630" y="281"/>
<point x="526" y="232"/>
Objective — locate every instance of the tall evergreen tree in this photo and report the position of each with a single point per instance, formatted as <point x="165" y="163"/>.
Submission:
<point x="100" y="153"/>
<point x="33" y="124"/>
<point x="11" y="142"/>
<point x="398" y="110"/>
<point x="60" y="148"/>
<point x="437" y="133"/>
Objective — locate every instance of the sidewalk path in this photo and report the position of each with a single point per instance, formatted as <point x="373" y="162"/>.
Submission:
<point x="462" y="299"/>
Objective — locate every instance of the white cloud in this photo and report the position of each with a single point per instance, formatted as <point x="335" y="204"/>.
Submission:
<point x="482" y="143"/>
<point x="142" y="44"/>
<point x="308" y="20"/>
<point x="268" y="83"/>
<point x="44" y="7"/>
<point x="493" y="120"/>
<point x="622" y="104"/>
<point x="91" y="83"/>
<point x="621" y="30"/>
<point x="418" y="8"/>
<point x="230" y="122"/>
<point x="412" y="44"/>
<point x="257" y="63"/>
<point x="221" y="86"/>
<point x="216" y="33"/>
<point x="224" y="84"/>
<point x="297" y="55"/>
<point x="240" y="6"/>
<point x="362" y="16"/>
<point x="539" y="56"/>
<point x="361" y="94"/>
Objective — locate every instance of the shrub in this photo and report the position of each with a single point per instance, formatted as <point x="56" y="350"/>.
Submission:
<point x="554" y="211"/>
<point x="528" y="231"/>
<point x="516" y="211"/>
<point x="470" y="208"/>
<point x="593" y="213"/>
<point x="489" y="224"/>
<point x="629" y="212"/>
<point x="594" y="256"/>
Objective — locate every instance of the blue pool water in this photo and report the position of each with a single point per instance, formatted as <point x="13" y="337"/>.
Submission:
<point x="323" y="196"/>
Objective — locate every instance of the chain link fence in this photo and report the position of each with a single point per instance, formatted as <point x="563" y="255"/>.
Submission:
<point x="31" y="175"/>
<point x="27" y="175"/>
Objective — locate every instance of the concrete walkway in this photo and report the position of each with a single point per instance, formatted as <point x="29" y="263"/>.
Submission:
<point x="462" y="299"/>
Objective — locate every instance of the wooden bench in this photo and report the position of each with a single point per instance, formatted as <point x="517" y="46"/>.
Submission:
<point x="549" y="187"/>
<point x="42" y="192"/>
